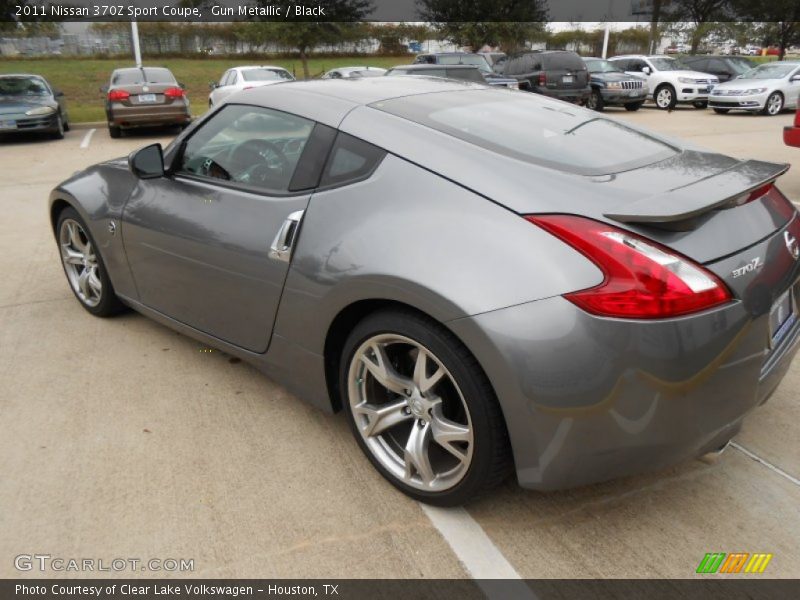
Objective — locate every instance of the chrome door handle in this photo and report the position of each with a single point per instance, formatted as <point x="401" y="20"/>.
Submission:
<point x="281" y="248"/>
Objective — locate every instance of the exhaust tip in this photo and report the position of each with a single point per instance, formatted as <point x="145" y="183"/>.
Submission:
<point x="712" y="457"/>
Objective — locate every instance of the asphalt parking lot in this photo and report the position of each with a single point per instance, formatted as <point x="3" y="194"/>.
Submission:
<point x="121" y="438"/>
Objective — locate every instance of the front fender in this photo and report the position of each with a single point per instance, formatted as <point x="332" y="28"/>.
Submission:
<point x="99" y="194"/>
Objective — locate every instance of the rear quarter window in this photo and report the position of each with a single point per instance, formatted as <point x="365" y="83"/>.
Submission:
<point x="350" y="160"/>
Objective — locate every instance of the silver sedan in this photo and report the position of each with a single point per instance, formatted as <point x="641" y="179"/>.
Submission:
<point x="768" y="89"/>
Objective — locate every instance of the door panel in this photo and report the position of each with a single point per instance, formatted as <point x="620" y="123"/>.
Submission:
<point x="198" y="242"/>
<point x="200" y="254"/>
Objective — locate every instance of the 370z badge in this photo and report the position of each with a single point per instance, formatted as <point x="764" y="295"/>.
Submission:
<point x="753" y="265"/>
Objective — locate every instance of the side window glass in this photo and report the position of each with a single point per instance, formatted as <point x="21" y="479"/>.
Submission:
<point x="224" y="78"/>
<point x="233" y="78"/>
<point x="247" y="145"/>
<point x="351" y="160"/>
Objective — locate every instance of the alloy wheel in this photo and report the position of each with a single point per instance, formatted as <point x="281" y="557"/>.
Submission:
<point x="410" y="412"/>
<point x="80" y="263"/>
<point x="774" y="104"/>
<point x="664" y="98"/>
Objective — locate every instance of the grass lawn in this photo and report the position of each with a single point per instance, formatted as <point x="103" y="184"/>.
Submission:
<point x="80" y="78"/>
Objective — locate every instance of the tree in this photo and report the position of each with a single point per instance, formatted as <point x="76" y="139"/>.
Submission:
<point x="777" y="21"/>
<point x="477" y="23"/>
<point x="702" y="14"/>
<point x="305" y="35"/>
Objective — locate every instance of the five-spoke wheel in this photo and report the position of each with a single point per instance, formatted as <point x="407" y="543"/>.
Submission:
<point x="421" y="408"/>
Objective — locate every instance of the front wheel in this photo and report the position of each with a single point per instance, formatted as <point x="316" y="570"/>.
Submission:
<point x="84" y="267"/>
<point x="58" y="134"/>
<point x="633" y="106"/>
<point x="774" y="104"/>
<point x="665" y="97"/>
<point x="421" y="408"/>
<point x="700" y="104"/>
<point x="595" y="101"/>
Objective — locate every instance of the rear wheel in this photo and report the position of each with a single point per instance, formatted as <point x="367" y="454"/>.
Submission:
<point x="700" y="104"/>
<point x="633" y="106"/>
<point x="665" y="97"/>
<point x="595" y="101"/>
<point x="722" y="111"/>
<point x="774" y="104"/>
<point x="421" y="409"/>
<point x="114" y="132"/>
<point x="84" y="267"/>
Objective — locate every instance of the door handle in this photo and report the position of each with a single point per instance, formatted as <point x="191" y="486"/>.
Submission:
<point x="281" y="248"/>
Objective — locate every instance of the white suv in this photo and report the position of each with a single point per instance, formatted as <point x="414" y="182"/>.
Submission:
<point x="669" y="81"/>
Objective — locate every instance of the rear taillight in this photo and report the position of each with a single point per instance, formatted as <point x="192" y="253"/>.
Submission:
<point x="117" y="95"/>
<point x="643" y="280"/>
<point x="542" y="78"/>
<point x="173" y="92"/>
<point x="797" y="118"/>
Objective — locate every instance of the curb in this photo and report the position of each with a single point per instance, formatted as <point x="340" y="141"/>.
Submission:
<point x="87" y="125"/>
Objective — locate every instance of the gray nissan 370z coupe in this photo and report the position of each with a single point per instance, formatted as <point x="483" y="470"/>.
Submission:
<point x="483" y="280"/>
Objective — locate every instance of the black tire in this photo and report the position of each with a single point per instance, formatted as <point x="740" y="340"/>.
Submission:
<point x="700" y="104"/>
<point x="722" y="111"/>
<point x="633" y="106"/>
<point x="491" y="457"/>
<point x="58" y="134"/>
<point x="114" y="132"/>
<point x="665" y="97"/>
<point x="774" y="99"/>
<point x="66" y="126"/>
<point x="595" y="101"/>
<point x="108" y="304"/>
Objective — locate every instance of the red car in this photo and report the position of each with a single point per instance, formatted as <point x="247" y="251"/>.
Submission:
<point x="791" y="134"/>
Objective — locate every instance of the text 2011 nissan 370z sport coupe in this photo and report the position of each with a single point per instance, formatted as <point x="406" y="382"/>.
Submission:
<point x="482" y="279"/>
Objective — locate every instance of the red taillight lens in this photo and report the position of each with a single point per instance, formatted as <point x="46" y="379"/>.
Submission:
<point x="173" y="92"/>
<point x="117" y="95"/>
<point x="643" y="280"/>
<point x="542" y="78"/>
<point x="797" y="118"/>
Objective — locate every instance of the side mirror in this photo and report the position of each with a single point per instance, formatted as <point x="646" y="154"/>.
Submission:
<point x="796" y="78"/>
<point x="103" y="89"/>
<point x="58" y="94"/>
<point x="182" y="85"/>
<point x="147" y="162"/>
<point x="212" y="85"/>
<point x="646" y="70"/>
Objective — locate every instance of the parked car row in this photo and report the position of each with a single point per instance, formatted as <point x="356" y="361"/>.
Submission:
<point x="152" y="96"/>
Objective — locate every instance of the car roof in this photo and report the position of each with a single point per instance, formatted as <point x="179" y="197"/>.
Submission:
<point x="247" y="67"/>
<point x="434" y="67"/>
<point x="328" y="101"/>
<point x="21" y="75"/>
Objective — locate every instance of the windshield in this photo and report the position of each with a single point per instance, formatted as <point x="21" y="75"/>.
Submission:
<point x="266" y="75"/>
<point x="530" y="129"/>
<point x="740" y="65"/>
<point x="769" y="72"/>
<point x="22" y="86"/>
<point x="146" y="75"/>
<point x="466" y="59"/>
<point x="598" y="65"/>
<point x="668" y="64"/>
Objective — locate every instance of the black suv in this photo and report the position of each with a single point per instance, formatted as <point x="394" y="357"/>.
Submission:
<point x="556" y="73"/>
<point x="724" y="67"/>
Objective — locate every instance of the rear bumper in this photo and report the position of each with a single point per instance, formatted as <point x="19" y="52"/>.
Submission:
<point x="578" y="95"/>
<point x="588" y="399"/>
<point x="138" y="116"/>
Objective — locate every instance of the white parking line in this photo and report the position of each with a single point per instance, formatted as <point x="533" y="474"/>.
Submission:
<point x="87" y="138"/>
<point x="478" y="554"/>
<point x="767" y="464"/>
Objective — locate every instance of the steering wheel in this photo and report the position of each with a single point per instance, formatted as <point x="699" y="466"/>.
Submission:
<point x="244" y="153"/>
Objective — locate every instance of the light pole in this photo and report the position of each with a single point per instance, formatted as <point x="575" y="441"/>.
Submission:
<point x="137" y="52"/>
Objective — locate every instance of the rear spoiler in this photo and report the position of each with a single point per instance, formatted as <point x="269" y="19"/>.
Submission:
<point x="690" y="201"/>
